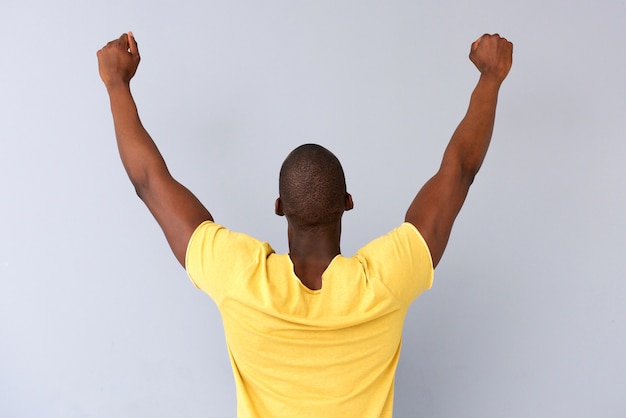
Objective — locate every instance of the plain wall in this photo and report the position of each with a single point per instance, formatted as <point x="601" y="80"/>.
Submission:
<point x="526" y="317"/>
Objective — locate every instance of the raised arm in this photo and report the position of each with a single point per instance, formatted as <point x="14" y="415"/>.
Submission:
<point x="175" y="208"/>
<point x="437" y="204"/>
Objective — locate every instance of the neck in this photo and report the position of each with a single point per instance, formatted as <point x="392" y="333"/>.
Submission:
<point x="312" y="249"/>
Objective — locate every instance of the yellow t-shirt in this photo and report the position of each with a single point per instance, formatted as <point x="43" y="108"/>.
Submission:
<point x="297" y="352"/>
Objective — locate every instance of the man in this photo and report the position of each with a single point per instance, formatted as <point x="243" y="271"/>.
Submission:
<point x="310" y="333"/>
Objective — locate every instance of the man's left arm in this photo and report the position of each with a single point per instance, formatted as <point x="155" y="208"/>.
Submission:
<point x="439" y="201"/>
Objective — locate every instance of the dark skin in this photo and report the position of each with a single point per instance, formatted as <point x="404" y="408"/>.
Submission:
<point x="311" y="249"/>
<point x="439" y="201"/>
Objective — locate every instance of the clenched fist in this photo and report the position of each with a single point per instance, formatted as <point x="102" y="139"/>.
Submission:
<point x="118" y="60"/>
<point x="493" y="56"/>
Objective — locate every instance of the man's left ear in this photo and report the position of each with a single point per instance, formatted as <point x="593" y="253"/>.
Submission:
<point x="349" y="202"/>
<point x="278" y="207"/>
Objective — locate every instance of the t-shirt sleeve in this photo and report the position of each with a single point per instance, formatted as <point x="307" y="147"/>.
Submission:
<point x="217" y="257"/>
<point x="401" y="260"/>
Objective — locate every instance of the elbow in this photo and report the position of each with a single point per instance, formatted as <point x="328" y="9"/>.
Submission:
<point x="143" y="177"/>
<point x="140" y="184"/>
<point x="140" y="190"/>
<point x="469" y="172"/>
<point x="146" y="182"/>
<point x="463" y="165"/>
<point x="463" y="170"/>
<point x="469" y="167"/>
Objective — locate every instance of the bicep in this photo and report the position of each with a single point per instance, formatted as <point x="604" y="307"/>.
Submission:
<point x="436" y="206"/>
<point x="176" y="209"/>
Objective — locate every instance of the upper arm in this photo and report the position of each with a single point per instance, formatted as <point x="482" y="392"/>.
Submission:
<point x="437" y="205"/>
<point x="175" y="208"/>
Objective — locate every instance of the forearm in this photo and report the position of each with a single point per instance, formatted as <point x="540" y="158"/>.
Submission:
<point x="140" y="156"/>
<point x="470" y="141"/>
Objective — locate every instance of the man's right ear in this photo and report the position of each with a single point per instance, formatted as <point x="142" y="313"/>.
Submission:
<point x="278" y="207"/>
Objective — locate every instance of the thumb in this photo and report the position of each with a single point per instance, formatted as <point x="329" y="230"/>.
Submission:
<point x="132" y="44"/>
<point x="476" y="43"/>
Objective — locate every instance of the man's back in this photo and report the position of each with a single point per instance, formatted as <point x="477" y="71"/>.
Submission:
<point x="302" y="352"/>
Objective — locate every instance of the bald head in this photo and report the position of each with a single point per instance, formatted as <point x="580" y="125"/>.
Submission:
<point x="312" y="186"/>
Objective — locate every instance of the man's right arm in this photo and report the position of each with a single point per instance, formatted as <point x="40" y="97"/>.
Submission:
<point x="438" y="203"/>
<point x="175" y="208"/>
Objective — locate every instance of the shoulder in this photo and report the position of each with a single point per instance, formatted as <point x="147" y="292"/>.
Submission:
<point x="404" y="240"/>
<point x="401" y="259"/>
<point x="212" y="237"/>
<point x="216" y="253"/>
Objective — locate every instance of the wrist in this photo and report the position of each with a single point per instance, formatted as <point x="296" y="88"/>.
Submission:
<point x="117" y="86"/>
<point x="490" y="80"/>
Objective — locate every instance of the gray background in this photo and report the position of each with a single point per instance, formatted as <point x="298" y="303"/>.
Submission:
<point x="527" y="315"/>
